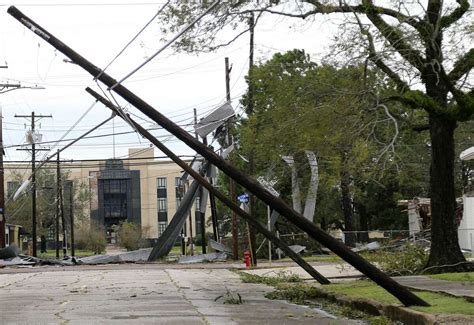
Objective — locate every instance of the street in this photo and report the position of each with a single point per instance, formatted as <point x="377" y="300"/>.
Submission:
<point x="143" y="294"/>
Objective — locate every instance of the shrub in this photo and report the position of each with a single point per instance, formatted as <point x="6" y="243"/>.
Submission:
<point x="411" y="259"/>
<point x="90" y="237"/>
<point x="129" y="235"/>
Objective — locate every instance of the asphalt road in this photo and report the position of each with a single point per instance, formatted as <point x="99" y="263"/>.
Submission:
<point x="127" y="294"/>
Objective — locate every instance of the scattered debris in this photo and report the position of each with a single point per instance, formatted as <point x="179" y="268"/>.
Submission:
<point x="219" y="247"/>
<point x="211" y="257"/>
<point x="231" y="298"/>
<point x="17" y="261"/>
<point x="295" y="248"/>
<point x="372" y="246"/>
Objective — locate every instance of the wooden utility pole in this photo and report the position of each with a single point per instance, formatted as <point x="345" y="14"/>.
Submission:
<point x="61" y="205"/>
<point x="250" y="110"/>
<point x="235" y="231"/>
<point x="71" y="216"/>
<point x="2" y="188"/>
<point x="58" y="184"/>
<point x="212" y="200"/>
<point x="33" y="118"/>
<point x="402" y="293"/>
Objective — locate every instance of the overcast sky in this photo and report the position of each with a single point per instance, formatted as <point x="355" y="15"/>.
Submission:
<point x="173" y="84"/>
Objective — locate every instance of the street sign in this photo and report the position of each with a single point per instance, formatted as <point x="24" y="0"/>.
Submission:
<point x="243" y="198"/>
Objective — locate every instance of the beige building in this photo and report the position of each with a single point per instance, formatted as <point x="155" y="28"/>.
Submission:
<point x="140" y="189"/>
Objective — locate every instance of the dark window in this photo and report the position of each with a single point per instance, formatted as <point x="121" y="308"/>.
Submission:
<point x="161" y="187"/>
<point x="179" y="188"/>
<point x="115" y="198"/>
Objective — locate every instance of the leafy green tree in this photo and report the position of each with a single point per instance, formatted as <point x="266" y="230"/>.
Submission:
<point x="423" y="47"/>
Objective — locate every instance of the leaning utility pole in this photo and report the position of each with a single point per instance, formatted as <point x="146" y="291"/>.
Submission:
<point x="235" y="233"/>
<point x="400" y="292"/>
<point x="33" y="118"/>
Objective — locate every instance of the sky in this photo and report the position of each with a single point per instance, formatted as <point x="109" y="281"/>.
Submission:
<point x="172" y="83"/>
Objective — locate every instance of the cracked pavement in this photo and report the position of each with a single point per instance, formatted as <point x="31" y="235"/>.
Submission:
<point x="127" y="294"/>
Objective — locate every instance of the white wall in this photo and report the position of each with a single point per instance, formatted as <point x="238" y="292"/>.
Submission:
<point x="466" y="227"/>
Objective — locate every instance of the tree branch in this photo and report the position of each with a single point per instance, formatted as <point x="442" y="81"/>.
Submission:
<point x="396" y="39"/>
<point x="457" y="14"/>
<point x="365" y="8"/>
<point x="377" y="60"/>
<point x="462" y="66"/>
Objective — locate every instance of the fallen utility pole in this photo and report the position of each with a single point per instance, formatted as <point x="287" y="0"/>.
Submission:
<point x="400" y="292"/>
<point x="224" y="199"/>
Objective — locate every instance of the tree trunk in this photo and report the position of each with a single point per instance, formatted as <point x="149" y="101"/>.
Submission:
<point x="43" y="244"/>
<point x="363" y="236"/>
<point x="347" y="207"/>
<point x="445" y="248"/>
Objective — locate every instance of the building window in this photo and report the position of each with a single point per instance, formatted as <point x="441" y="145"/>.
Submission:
<point x="161" y="182"/>
<point x="179" y="189"/>
<point x="161" y="187"/>
<point x="198" y="203"/>
<point x="162" y="206"/>
<point x="161" y="227"/>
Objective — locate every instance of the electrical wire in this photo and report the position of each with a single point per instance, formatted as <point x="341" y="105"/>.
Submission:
<point x="134" y="38"/>
<point x="171" y="41"/>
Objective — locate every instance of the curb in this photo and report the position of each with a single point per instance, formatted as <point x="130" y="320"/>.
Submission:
<point x="395" y="313"/>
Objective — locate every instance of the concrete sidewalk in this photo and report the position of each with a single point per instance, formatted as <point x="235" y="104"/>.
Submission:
<point x="453" y="288"/>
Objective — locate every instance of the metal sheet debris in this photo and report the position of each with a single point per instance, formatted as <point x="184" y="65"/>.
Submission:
<point x="295" y="248"/>
<point x="219" y="247"/>
<point x="202" y="258"/>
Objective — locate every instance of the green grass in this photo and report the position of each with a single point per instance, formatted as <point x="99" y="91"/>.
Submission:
<point x="440" y="303"/>
<point x="78" y="252"/>
<point x="280" y="277"/>
<point x="466" y="277"/>
<point x="176" y="250"/>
